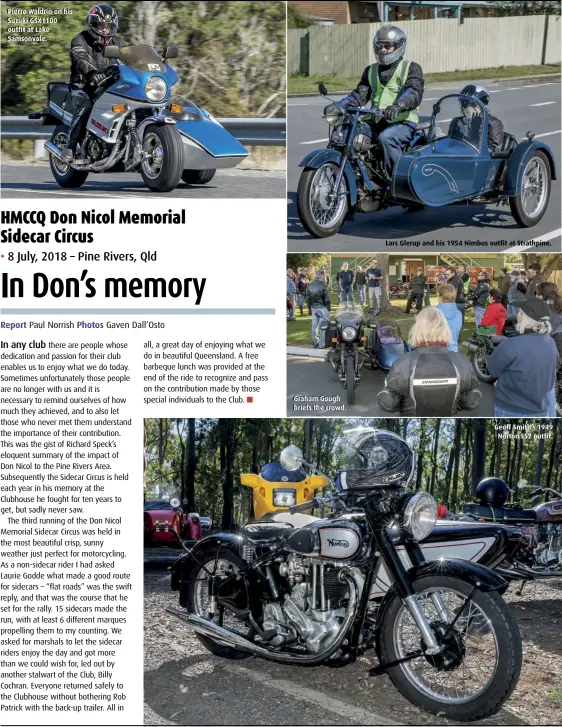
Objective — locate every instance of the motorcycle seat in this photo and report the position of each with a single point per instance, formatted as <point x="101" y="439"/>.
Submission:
<point x="500" y="514"/>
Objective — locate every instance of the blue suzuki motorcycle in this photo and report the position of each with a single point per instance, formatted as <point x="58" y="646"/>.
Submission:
<point x="135" y="127"/>
<point x="448" y="162"/>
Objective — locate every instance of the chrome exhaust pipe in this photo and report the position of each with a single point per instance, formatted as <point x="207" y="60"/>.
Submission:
<point x="53" y="150"/>
<point x="230" y="638"/>
<point x="523" y="572"/>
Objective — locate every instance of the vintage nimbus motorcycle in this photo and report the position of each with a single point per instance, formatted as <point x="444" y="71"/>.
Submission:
<point x="539" y="554"/>
<point x="447" y="162"/>
<point x="134" y="127"/>
<point x="298" y="592"/>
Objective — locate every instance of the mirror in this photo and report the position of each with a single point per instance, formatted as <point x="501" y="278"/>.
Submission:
<point x="171" y="51"/>
<point x="112" y="51"/>
<point x="322" y="89"/>
<point x="175" y="502"/>
<point x="291" y="458"/>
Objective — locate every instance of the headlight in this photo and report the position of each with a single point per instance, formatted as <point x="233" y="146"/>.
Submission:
<point x="156" y="88"/>
<point x="284" y="498"/>
<point x="337" y="136"/>
<point x="348" y="333"/>
<point x="419" y="515"/>
<point x="334" y="115"/>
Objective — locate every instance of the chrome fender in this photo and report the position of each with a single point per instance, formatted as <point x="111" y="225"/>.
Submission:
<point x="315" y="159"/>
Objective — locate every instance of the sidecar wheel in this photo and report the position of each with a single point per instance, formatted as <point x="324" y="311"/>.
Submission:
<point x="195" y="176"/>
<point x="317" y="217"/>
<point x="162" y="171"/>
<point x="528" y="207"/>
<point x="65" y="176"/>
<point x="478" y="669"/>
<point x="230" y="563"/>
<point x="350" y="380"/>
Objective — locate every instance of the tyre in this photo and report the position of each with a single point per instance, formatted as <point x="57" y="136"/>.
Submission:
<point x="228" y="562"/>
<point x="319" y="217"/>
<point x="350" y="379"/>
<point x="162" y="170"/>
<point x="198" y="176"/>
<point x="529" y="206"/>
<point x="479" y="668"/>
<point x="480" y="365"/>
<point x="64" y="174"/>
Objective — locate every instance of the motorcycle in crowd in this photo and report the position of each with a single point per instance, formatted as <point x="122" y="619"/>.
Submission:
<point x="399" y="290"/>
<point x="351" y="347"/>
<point x="441" y="167"/>
<point x="134" y="127"/>
<point x="539" y="554"/>
<point x="295" y="589"/>
<point x="481" y="345"/>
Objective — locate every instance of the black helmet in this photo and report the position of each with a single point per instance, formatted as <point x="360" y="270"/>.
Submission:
<point x="476" y="91"/>
<point x="102" y="21"/>
<point x="492" y="491"/>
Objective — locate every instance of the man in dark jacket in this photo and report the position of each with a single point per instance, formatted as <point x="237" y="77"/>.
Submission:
<point x="418" y="282"/>
<point x="535" y="279"/>
<point x="457" y="280"/>
<point x="480" y="296"/>
<point x="318" y="301"/>
<point x="395" y="86"/>
<point x="301" y="281"/>
<point x="346" y="284"/>
<point x="90" y="69"/>
<point x="503" y="283"/>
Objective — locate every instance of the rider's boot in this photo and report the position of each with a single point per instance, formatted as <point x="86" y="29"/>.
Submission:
<point x="74" y="131"/>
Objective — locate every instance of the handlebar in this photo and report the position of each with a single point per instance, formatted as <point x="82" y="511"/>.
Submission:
<point x="315" y="502"/>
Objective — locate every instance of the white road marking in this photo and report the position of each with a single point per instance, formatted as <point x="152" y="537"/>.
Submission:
<point x="315" y="141"/>
<point x="537" y="85"/>
<point x="531" y="243"/>
<point x="544" y="103"/>
<point x="548" y="133"/>
<point x="295" y="690"/>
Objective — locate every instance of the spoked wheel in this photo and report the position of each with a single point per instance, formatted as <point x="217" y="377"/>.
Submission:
<point x="478" y="667"/>
<point x="162" y="165"/>
<point x="322" y="214"/>
<point x="64" y="174"/>
<point x="228" y="564"/>
<point x="350" y="380"/>
<point x="480" y="364"/>
<point x="529" y="206"/>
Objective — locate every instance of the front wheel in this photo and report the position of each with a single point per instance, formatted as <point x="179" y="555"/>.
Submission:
<point x="350" y="379"/>
<point x="198" y="176"/>
<point x="162" y="165"/>
<point x="478" y="669"/>
<point x="320" y="214"/>
<point x="65" y="176"/>
<point x="480" y="364"/>
<point x="529" y="206"/>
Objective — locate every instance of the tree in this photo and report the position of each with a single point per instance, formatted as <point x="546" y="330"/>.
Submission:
<point x="549" y="263"/>
<point x="296" y="19"/>
<point x="524" y="7"/>
<point x="382" y="262"/>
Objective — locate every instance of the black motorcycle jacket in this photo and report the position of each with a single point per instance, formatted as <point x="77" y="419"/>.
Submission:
<point x="481" y="294"/>
<point x="414" y="84"/>
<point x="430" y="381"/>
<point x="458" y="283"/>
<point x="317" y="295"/>
<point x="86" y="58"/>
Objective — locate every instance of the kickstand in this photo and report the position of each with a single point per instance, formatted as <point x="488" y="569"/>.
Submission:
<point x="523" y="584"/>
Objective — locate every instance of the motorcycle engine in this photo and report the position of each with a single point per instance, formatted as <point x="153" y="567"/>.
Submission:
<point x="95" y="149"/>
<point x="313" y="608"/>
<point x="549" y="547"/>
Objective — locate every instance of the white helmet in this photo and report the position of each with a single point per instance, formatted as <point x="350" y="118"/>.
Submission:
<point x="386" y="38"/>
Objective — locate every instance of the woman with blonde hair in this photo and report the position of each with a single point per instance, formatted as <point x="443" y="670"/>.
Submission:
<point x="430" y="380"/>
<point x="525" y="365"/>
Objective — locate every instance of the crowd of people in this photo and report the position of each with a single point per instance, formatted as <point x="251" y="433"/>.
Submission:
<point x="525" y="365"/>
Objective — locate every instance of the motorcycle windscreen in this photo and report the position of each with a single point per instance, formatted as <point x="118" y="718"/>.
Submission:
<point x="444" y="171"/>
<point x="208" y="145"/>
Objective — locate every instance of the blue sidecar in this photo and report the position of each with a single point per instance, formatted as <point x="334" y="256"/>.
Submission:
<point x="447" y="162"/>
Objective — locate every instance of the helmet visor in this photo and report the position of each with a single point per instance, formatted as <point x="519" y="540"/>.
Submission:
<point x="104" y="27"/>
<point x="384" y="45"/>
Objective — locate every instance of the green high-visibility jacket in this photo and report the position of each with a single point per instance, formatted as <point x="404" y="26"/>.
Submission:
<point x="384" y="96"/>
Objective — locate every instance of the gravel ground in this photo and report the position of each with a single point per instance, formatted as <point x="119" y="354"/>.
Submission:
<point x="185" y="685"/>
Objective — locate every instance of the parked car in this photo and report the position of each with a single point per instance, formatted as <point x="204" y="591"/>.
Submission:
<point x="167" y="523"/>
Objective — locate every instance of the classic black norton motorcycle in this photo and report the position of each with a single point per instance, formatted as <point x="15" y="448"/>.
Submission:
<point x="345" y="334"/>
<point x="539" y="554"/>
<point x="299" y="593"/>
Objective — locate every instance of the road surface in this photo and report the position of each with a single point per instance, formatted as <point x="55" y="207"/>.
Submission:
<point x="316" y="380"/>
<point x="522" y="106"/>
<point x="36" y="181"/>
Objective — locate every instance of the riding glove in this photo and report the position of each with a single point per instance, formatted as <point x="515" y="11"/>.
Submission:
<point x="97" y="78"/>
<point x="391" y="112"/>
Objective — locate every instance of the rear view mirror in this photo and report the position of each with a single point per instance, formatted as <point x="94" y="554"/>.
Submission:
<point x="171" y="51"/>
<point x="112" y="51"/>
<point x="322" y="89"/>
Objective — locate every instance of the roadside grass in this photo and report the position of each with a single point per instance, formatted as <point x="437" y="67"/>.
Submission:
<point x="299" y="332"/>
<point x="309" y="84"/>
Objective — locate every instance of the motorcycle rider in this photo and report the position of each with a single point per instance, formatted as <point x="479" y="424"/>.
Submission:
<point x="89" y="69"/>
<point x="430" y="380"/>
<point x="395" y="86"/>
<point x="318" y="301"/>
<point x="468" y="125"/>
